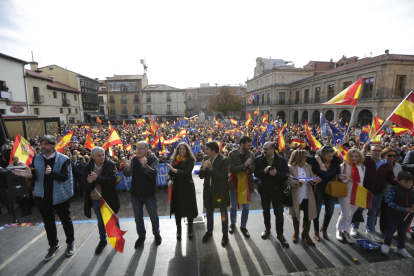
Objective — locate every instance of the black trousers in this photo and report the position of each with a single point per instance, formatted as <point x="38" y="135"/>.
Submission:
<point x="46" y="207"/>
<point x="178" y="222"/>
<point x="276" y="198"/>
<point x="304" y="206"/>
<point x="384" y="216"/>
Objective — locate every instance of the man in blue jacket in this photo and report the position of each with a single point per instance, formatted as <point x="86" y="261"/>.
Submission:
<point x="52" y="174"/>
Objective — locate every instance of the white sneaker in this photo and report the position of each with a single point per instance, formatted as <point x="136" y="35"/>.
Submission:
<point x="339" y="236"/>
<point x="347" y="238"/>
<point x="404" y="253"/>
<point x="354" y="232"/>
<point x="373" y="237"/>
<point x="385" y="249"/>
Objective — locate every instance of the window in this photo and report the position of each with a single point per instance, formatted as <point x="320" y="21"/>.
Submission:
<point x="102" y="110"/>
<point x="169" y="111"/>
<point x="347" y="84"/>
<point x="75" y="98"/>
<point x="36" y="91"/>
<point x="297" y="97"/>
<point x="148" y="108"/>
<point x="101" y="101"/>
<point x="50" y="68"/>
<point x="306" y="95"/>
<point x="148" y="97"/>
<point x="342" y="64"/>
<point x="268" y="98"/>
<point x="36" y="111"/>
<point x="330" y="66"/>
<point x="263" y="102"/>
<point x="368" y="88"/>
<point x="69" y="110"/>
<point x="189" y="97"/>
<point x="282" y="98"/>
<point x="400" y="86"/>
<point x="76" y="110"/>
<point x="136" y="98"/>
<point x="112" y="109"/>
<point x="124" y="100"/>
<point x="203" y="106"/>
<point x="61" y="110"/>
<point x="169" y="99"/>
<point x="316" y="65"/>
<point x="136" y="110"/>
<point x="124" y="110"/>
<point x="331" y="91"/>
<point x="54" y="95"/>
<point x="317" y="95"/>
<point x="112" y="99"/>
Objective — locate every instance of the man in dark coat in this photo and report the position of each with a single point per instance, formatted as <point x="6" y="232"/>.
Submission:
<point x="272" y="171"/>
<point x="79" y="169"/>
<point x="99" y="179"/>
<point x="216" y="190"/>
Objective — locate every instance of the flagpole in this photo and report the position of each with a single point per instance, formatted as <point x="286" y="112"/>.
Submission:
<point x="390" y="116"/>
<point x="350" y="121"/>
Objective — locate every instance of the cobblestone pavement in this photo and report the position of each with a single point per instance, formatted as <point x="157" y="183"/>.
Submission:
<point x="76" y="208"/>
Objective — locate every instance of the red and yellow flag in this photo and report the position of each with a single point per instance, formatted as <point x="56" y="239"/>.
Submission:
<point x="349" y="96"/>
<point x="89" y="142"/>
<point x="265" y="118"/>
<point x="110" y="151"/>
<point x="220" y="144"/>
<point x="361" y="197"/>
<point x="140" y="122"/>
<point x="297" y="142"/>
<point x="249" y="120"/>
<point x="344" y="153"/>
<point x="210" y="139"/>
<point x="123" y="123"/>
<point x="376" y="125"/>
<point x="115" y="235"/>
<point x="312" y="140"/>
<point x="128" y="148"/>
<point x="233" y="121"/>
<point x="98" y="120"/>
<point x="146" y="133"/>
<point x="182" y="133"/>
<point x="109" y="126"/>
<point x="64" y="142"/>
<point x="400" y="130"/>
<point x="23" y="150"/>
<point x="217" y="123"/>
<point x="403" y="114"/>
<point x="113" y="139"/>
<point x="281" y="141"/>
<point x="170" y="141"/>
<point x="153" y="125"/>
<point x="256" y="113"/>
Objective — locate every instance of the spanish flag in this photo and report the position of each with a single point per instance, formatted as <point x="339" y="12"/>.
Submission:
<point x="128" y="148"/>
<point x="182" y="133"/>
<point x="170" y="141"/>
<point x="284" y="128"/>
<point x="113" y="139"/>
<point x="110" y="152"/>
<point x="98" y="120"/>
<point x="153" y="125"/>
<point x="376" y="125"/>
<point x="312" y="140"/>
<point x="361" y="197"/>
<point x="146" y="133"/>
<point x="89" y="142"/>
<point x="256" y="113"/>
<point x="64" y="142"/>
<point x="344" y="152"/>
<point x="210" y="139"/>
<point x="403" y="114"/>
<point x="249" y="120"/>
<point x="265" y="118"/>
<point x="240" y="182"/>
<point x="140" y="122"/>
<point x="217" y="123"/>
<point x="123" y="124"/>
<point x="115" y="235"/>
<point x="109" y="126"/>
<point x="281" y="141"/>
<point x="233" y="121"/>
<point x="23" y="150"/>
<point x="399" y="130"/>
<point x="220" y="144"/>
<point x="297" y="142"/>
<point x="349" y="96"/>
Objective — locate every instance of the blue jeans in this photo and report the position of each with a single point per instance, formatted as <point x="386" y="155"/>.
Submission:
<point x="233" y="210"/>
<point x="371" y="214"/>
<point x="138" y="207"/>
<point x="397" y="224"/>
<point x="101" y="225"/>
<point x="210" y="217"/>
<point x="329" y="208"/>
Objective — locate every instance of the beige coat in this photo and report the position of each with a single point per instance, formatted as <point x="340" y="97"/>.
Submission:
<point x="294" y="211"/>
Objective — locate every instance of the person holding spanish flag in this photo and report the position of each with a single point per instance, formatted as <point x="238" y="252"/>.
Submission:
<point x="180" y="180"/>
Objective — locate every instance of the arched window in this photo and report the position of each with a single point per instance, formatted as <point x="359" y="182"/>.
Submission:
<point x="316" y="117"/>
<point x="296" y="117"/>
<point x="304" y="116"/>
<point x="346" y="117"/>
<point x="329" y="115"/>
<point x="365" y="117"/>
<point x="281" y="115"/>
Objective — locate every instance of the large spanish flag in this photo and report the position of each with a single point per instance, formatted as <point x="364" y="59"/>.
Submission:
<point x="312" y="140"/>
<point x="376" y="125"/>
<point x="64" y="142"/>
<point x="113" y="139"/>
<point x="233" y="121"/>
<point x="115" y="235"/>
<point x="404" y="113"/>
<point x="182" y="133"/>
<point x="240" y="182"/>
<point x="361" y="197"/>
<point x="153" y="125"/>
<point x="265" y="118"/>
<point x="249" y="120"/>
<point x="297" y="142"/>
<point x="349" y="96"/>
<point x="140" y="122"/>
<point x="123" y="123"/>
<point x="256" y="113"/>
<point x="23" y="150"/>
<point x="98" y="120"/>
<point x="281" y="140"/>
<point x="399" y="130"/>
<point x="170" y="141"/>
<point x="89" y="142"/>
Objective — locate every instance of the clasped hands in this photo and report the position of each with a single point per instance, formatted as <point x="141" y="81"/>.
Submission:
<point x="206" y="164"/>
<point x="92" y="177"/>
<point x="272" y="172"/>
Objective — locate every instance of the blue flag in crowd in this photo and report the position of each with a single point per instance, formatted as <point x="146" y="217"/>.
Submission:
<point x="180" y="123"/>
<point x="74" y="139"/>
<point x="64" y="131"/>
<point x="277" y="123"/>
<point x="337" y="135"/>
<point x="186" y="140"/>
<point x="238" y="133"/>
<point x="325" y="129"/>
<point x="197" y="147"/>
<point x="172" y="150"/>
<point x="364" y="137"/>
<point x="254" y="143"/>
<point x="314" y="131"/>
<point x="270" y="128"/>
<point x="263" y="139"/>
<point x="239" y="123"/>
<point x="159" y="145"/>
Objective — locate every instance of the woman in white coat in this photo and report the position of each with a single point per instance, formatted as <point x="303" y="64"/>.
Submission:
<point x="352" y="171"/>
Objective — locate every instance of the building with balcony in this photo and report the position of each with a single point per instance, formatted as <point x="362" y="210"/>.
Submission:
<point x="50" y="98"/>
<point x="296" y="94"/>
<point x="13" y="90"/>
<point x="164" y="101"/>
<point x="197" y="100"/>
<point x="103" y="98"/>
<point x="124" y="95"/>
<point x="88" y="86"/>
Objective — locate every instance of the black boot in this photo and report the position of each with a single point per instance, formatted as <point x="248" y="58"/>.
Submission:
<point x="178" y="232"/>
<point x="190" y="228"/>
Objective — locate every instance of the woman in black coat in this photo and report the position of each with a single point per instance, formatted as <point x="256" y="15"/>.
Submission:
<point x="183" y="200"/>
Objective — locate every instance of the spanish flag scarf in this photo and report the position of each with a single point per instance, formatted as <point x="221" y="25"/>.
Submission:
<point x="178" y="159"/>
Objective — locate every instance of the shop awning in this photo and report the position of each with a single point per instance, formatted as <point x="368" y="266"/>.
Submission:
<point x="94" y="114"/>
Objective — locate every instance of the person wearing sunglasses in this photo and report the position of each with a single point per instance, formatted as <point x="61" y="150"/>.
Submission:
<point x="390" y="154"/>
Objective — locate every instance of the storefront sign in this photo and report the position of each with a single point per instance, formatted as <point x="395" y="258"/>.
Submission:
<point x="16" y="109"/>
<point x="16" y="103"/>
<point x="72" y="118"/>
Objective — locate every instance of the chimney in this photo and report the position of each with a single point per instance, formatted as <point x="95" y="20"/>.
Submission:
<point x="33" y="67"/>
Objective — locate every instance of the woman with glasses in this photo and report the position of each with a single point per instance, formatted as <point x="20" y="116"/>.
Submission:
<point x="390" y="154"/>
<point x="353" y="171"/>
<point x="326" y="167"/>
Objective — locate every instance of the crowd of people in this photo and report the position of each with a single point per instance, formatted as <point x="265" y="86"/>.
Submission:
<point x="231" y="158"/>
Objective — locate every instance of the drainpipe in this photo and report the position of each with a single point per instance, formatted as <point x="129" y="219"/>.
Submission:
<point x="25" y="88"/>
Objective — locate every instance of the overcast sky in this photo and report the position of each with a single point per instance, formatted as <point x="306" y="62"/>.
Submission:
<point x="186" y="43"/>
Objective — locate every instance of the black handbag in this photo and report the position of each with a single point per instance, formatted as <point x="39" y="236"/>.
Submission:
<point x="287" y="197"/>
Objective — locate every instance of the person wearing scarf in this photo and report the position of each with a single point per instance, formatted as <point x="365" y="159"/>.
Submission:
<point x="180" y="181"/>
<point x="352" y="171"/>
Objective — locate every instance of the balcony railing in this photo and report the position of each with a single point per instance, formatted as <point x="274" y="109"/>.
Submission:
<point x="148" y="100"/>
<point x="124" y="112"/>
<point x="149" y="110"/>
<point x="124" y="101"/>
<point x="169" y="113"/>
<point x="136" y="100"/>
<point x="169" y="100"/>
<point x="6" y="97"/>
<point x="112" y="101"/>
<point x="38" y="99"/>
<point x="65" y="102"/>
<point x="137" y="111"/>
